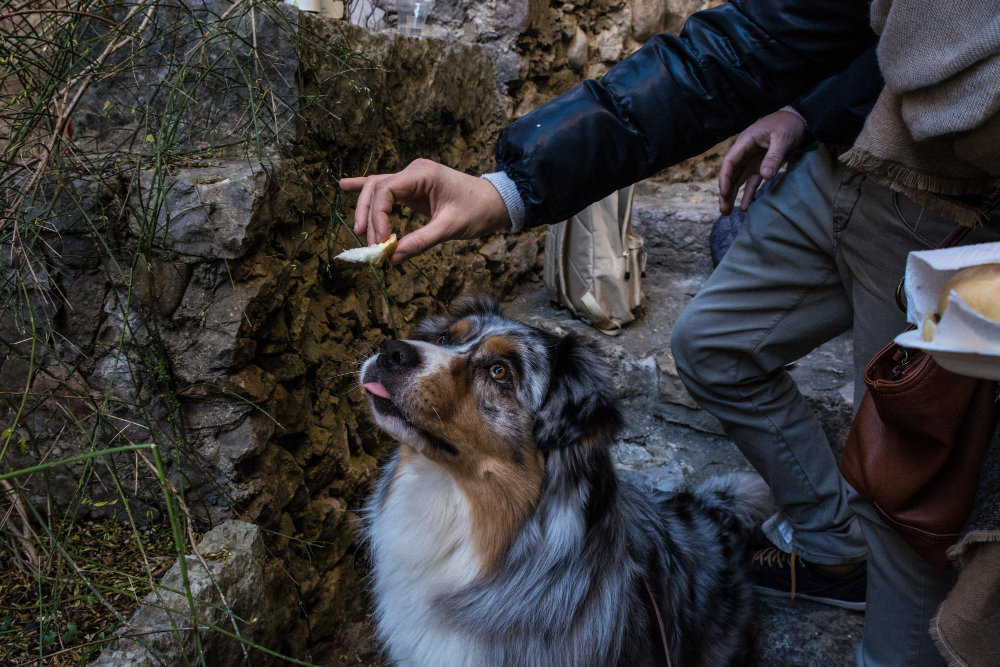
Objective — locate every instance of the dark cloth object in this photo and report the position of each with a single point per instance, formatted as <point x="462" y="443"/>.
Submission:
<point x="835" y="110"/>
<point x="724" y="232"/>
<point x="676" y="97"/>
<point x="726" y="228"/>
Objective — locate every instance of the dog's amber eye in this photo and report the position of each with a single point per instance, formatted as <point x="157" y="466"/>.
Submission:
<point x="498" y="372"/>
<point x="443" y="339"/>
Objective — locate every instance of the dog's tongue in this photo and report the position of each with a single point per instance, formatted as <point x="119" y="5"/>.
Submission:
<point x="375" y="388"/>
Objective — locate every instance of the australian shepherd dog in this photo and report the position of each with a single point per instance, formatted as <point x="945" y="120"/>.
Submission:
<point x="500" y="533"/>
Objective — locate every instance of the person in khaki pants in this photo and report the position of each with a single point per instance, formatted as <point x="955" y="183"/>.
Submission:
<point x="819" y="254"/>
<point x="806" y="267"/>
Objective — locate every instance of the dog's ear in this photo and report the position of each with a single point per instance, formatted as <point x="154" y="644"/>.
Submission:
<point x="480" y="303"/>
<point x="580" y="406"/>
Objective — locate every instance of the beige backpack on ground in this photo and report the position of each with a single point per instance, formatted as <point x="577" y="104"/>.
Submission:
<point x="594" y="263"/>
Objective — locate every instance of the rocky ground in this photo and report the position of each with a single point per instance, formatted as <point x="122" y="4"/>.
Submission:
<point x="669" y="441"/>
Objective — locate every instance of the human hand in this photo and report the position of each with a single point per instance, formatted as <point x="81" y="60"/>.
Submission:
<point x="460" y="206"/>
<point x="757" y="154"/>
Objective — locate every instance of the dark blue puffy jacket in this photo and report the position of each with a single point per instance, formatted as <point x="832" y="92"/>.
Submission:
<point x="676" y="97"/>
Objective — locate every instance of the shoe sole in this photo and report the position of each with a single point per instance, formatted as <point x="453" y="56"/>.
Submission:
<point x="842" y="604"/>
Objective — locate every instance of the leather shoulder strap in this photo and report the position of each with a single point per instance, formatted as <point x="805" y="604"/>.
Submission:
<point x="955" y="237"/>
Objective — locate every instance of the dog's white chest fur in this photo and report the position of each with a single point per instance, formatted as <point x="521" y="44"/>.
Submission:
<point x="422" y="548"/>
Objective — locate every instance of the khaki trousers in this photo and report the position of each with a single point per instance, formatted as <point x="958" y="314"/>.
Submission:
<point x="819" y="254"/>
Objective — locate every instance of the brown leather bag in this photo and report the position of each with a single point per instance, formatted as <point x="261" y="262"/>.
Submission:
<point x="917" y="444"/>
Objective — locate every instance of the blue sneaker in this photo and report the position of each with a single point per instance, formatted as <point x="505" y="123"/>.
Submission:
<point x="782" y="574"/>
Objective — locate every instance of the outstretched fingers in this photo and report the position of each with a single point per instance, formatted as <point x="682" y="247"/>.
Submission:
<point x="436" y="231"/>
<point x="748" y="192"/>
<point x="733" y="171"/>
<point x="408" y="187"/>
<point x="366" y="184"/>
<point x="378" y="194"/>
<point x="379" y="207"/>
<point x="777" y="148"/>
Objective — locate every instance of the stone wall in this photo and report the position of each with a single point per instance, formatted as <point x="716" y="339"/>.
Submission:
<point x="190" y="302"/>
<point x="545" y="47"/>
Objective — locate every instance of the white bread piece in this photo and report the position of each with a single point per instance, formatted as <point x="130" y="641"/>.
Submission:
<point x="373" y="254"/>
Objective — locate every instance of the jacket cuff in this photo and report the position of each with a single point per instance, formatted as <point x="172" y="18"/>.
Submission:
<point x="511" y="199"/>
<point x="795" y="112"/>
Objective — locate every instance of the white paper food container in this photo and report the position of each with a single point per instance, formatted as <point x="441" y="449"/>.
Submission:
<point x="964" y="342"/>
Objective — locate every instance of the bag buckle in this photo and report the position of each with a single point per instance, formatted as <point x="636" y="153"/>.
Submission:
<point x="902" y="359"/>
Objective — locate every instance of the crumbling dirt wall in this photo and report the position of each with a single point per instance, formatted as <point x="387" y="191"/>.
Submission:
<point x="434" y="100"/>
<point x="226" y="336"/>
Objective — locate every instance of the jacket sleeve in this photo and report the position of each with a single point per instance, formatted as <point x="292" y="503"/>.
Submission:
<point x="676" y="97"/>
<point x="836" y="109"/>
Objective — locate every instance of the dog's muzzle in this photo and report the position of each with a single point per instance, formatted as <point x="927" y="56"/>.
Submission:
<point x="389" y="371"/>
<point x="397" y="355"/>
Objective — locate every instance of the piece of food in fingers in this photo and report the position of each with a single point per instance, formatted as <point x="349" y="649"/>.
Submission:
<point x="977" y="286"/>
<point x="373" y="254"/>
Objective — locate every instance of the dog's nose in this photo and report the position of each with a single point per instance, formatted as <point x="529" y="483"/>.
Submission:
<point x="396" y="355"/>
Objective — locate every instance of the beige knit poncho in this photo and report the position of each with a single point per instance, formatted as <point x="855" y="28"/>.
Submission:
<point x="934" y="133"/>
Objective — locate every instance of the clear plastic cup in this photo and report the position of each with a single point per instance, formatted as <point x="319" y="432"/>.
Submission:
<point x="306" y="5"/>
<point x="412" y="15"/>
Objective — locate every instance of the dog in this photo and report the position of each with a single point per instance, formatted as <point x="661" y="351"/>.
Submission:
<point x="500" y="533"/>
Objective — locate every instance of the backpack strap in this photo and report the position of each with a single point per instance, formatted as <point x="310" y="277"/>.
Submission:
<point x="625" y="215"/>
<point x="563" y="263"/>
